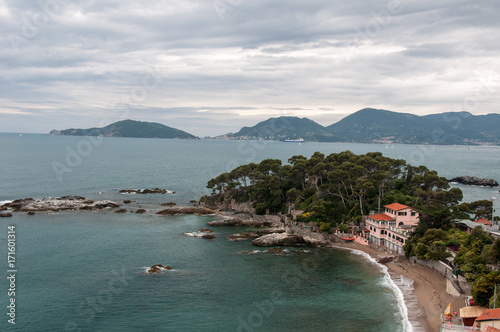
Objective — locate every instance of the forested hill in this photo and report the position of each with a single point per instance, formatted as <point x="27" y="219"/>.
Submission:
<point x="129" y="128"/>
<point x="286" y="127"/>
<point x="336" y="188"/>
<point x="381" y="126"/>
<point x="374" y="125"/>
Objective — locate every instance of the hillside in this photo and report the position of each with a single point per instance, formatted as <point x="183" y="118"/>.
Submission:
<point x="381" y="126"/>
<point x="286" y="127"/>
<point x="128" y="128"/>
<point x="375" y="125"/>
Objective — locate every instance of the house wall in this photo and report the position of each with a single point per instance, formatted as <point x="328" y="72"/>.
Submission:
<point x="407" y="220"/>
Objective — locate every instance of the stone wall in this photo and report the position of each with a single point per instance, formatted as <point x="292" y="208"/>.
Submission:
<point x="460" y="284"/>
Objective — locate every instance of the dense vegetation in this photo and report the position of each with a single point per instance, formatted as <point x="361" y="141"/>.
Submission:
<point x="338" y="188"/>
<point x="375" y="125"/>
<point x="343" y="187"/>
<point x="128" y="128"/>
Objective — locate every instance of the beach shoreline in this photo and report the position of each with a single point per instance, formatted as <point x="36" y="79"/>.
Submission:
<point x="429" y="288"/>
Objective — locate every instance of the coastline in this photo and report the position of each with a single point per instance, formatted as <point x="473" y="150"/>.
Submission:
<point x="429" y="288"/>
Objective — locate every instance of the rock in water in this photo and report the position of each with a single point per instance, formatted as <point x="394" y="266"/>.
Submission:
<point x="278" y="239"/>
<point x="5" y="215"/>
<point x="474" y="181"/>
<point x="155" y="268"/>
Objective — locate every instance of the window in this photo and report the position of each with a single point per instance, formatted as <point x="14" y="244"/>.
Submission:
<point x="402" y="213"/>
<point x="413" y="213"/>
<point x="401" y="224"/>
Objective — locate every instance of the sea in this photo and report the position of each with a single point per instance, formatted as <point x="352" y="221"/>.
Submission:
<point x="86" y="271"/>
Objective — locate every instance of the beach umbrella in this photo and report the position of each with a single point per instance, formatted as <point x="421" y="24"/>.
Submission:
<point x="448" y="312"/>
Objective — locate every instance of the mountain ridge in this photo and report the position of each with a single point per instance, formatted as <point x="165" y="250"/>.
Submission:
<point x="370" y="125"/>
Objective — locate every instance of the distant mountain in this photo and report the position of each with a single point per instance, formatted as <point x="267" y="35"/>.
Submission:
<point x="371" y="125"/>
<point x="286" y="127"/>
<point x="375" y="125"/>
<point x="128" y="128"/>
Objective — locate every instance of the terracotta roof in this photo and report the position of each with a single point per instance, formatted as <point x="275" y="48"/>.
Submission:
<point x="489" y="314"/>
<point x="484" y="221"/>
<point x="491" y="329"/>
<point x="396" y="206"/>
<point x="380" y="216"/>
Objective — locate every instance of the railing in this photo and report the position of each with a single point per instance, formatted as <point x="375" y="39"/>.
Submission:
<point x="448" y="327"/>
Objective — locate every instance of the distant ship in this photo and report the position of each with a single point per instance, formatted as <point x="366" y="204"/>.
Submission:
<point x="300" y="140"/>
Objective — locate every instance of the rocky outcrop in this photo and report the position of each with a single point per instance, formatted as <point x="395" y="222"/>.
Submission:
<point x="226" y="222"/>
<point x="243" y="236"/>
<point x="58" y="204"/>
<point x="256" y="221"/>
<point x="385" y="260"/>
<point x="146" y="191"/>
<point x="204" y="233"/>
<point x="222" y="202"/>
<point x="286" y="239"/>
<point x="5" y="215"/>
<point x="168" y="204"/>
<point x="185" y="210"/>
<point x="276" y="251"/>
<point x="266" y="231"/>
<point x="140" y="211"/>
<point x="474" y="181"/>
<point x="158" y="268"/>
<point x="278" y="239"/>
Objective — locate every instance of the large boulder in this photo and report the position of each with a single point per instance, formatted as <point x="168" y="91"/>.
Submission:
<point x="278" y="239"/>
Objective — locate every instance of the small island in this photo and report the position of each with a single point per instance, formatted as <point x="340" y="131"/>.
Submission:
<point x="129" y="128"/>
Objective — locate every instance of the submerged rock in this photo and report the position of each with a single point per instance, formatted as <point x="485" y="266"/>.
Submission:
<point x="121" y="211"/>
<point x="5" y="215"/>
<point x="168" y="204"/>
<point x="140" y="211"/>
<point x="474" y="181"/>
<point x="276" y="250"/>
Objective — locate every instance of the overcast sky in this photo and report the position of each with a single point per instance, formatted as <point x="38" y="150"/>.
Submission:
<point x="210" y="67"/>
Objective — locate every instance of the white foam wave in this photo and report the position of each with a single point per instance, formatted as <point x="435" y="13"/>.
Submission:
<point x="5" y="202"/>
<point x="389" y="283"/>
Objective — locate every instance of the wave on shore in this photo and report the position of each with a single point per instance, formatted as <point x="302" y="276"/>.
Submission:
<point x="389" y="283"/>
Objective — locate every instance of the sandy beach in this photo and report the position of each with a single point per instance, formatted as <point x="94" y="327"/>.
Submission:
<point x="429" y="285"/>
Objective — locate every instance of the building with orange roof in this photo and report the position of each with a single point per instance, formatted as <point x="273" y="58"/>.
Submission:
<point x="491" y="329"/>
<point x="392" y="228"/>
<point x="489" y="318"/>
<point x="484" y="221"/>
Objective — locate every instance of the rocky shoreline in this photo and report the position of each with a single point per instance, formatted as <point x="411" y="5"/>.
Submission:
<point x="475" y="181"/>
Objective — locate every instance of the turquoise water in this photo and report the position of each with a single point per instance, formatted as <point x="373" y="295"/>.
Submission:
<point x="85" y="270"/>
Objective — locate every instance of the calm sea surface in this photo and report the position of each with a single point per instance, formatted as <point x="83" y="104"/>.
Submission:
<point x="85" y="271"/>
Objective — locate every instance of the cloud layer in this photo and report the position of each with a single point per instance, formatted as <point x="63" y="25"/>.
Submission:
<point x="210" y="67"/>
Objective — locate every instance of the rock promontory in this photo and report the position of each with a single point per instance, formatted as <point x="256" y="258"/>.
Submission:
<point x="146" y="191"/>
<point x="475" y="181"/>
<point x="58" y="204"/>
